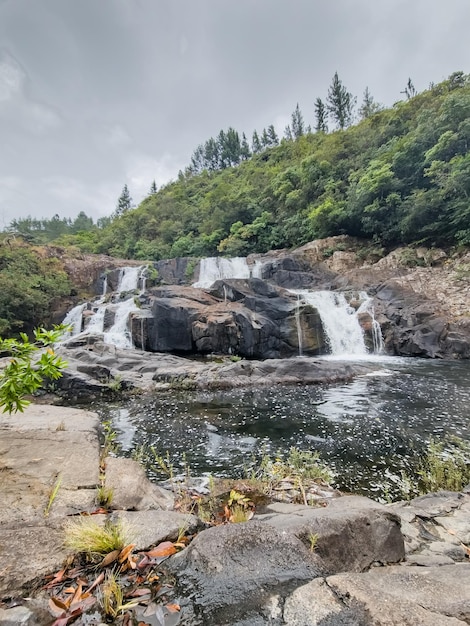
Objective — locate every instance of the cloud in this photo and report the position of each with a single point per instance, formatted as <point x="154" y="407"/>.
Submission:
<point x="12" y="77"/>
<point x="142" y="169"/>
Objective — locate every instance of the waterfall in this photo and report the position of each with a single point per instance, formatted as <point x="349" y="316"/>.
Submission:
<point x="74" y="319"/>
<point x="339" y="320"/>
<point x="377" y="340"/>
<point x="297" y="323"/>
<point x="119" y="334"/>
<point x="217" y="268"/>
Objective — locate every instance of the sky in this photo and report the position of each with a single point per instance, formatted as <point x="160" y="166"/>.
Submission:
<point x="95" y="94"/>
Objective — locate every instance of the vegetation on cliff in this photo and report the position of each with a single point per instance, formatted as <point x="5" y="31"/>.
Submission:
<point x="400" y="175"/>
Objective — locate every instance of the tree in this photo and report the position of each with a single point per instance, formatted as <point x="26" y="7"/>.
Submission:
<point x="256" y="146"/>
<point x="25" y="374"/>
<point x="321" y="116"/>
<point x="124" y="202"/>
<point x="153" y="188"/>
<point x="368" y="106"/>
<point x="288" y="133"/>
<point x="273" y="138"/>
<point x="340" y="103"/>
<point x="409" y="91"/>
<point x="297" y="123"/>
<point x="245" y="152"/>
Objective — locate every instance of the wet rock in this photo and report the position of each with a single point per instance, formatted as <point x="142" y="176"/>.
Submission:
<point x="229" y="572"/>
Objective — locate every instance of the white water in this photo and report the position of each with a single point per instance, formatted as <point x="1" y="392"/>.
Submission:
<point x="74" y="319"/>
<point x="339" y="320"/>
<point x="217" y="268"/>
<point x="119" y="334"/>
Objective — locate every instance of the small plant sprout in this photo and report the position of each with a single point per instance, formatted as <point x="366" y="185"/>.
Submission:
<point x="104" y="496"/>
<point x="53" y="495"/>
<point x="112" y="597"/>
<point x="313" y="539"/>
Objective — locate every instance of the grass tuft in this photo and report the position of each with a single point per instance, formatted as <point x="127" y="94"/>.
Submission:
<point x="85" y="535"/>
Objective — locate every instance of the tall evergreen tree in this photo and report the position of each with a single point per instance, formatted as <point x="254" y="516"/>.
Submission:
<point x="256" y="146"/>
<point x="409" y="91"/>
<point x="340" y="103"/>
<point x="231" y="153"/>
<point x="153" y="188"/>
<point x="273" y="138"/>
<point x="211" y="155"/>
<point x="288" y="133"/>
<point x="264" y="139"/>
<point x="368" y="106"/>
<point x="321" y="116"/>
<point x="245" y="152"/>
<point x="124" y="202"/>
<point x="297" y="123"/>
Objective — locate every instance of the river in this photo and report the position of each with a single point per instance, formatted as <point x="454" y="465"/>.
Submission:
<point x="369" y="430"/>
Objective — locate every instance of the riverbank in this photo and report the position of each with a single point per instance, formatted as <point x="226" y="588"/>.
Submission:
<point x="264" y="571"/>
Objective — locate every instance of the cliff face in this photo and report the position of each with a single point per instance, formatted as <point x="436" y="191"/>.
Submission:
<point x="421" y="299"/>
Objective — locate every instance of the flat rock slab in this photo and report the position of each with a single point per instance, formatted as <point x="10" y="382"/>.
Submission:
<point x="149" y="528"/>
<point x="39" y="447"/>
<point x="396" y="596"/>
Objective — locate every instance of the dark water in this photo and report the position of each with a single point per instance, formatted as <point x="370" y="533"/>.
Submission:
<point x="368" y="430"/>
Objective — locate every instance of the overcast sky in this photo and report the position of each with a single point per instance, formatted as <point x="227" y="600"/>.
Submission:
<point x="98" y="93"/>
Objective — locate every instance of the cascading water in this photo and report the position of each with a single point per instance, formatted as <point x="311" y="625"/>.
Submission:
<point x="74" y="318"/>
<point x="299" y="325"/>
<point x="119" y="333"/>
<point x="377" y="340"/>
<point x="218" y="268"/>
<point x="339" y="320"/>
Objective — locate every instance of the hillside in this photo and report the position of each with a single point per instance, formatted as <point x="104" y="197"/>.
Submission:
<point x="400" y="176"/>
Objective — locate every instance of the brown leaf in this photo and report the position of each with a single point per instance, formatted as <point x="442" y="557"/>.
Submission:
<point x="97" y="581"/>
<point x="139" y="592"/>
<point x="125" y="552"/>
<point x="56" y="580"/>
<point x="110" y="558"/>
<point x="466" y="549"/>
<point x="166" y="548"/>
<point x="56" y="606"/>
<point x="173" y="608"/>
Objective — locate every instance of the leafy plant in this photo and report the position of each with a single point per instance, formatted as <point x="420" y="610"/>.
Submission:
<point x="446" y="468"/>
<point x="27" y="371"/>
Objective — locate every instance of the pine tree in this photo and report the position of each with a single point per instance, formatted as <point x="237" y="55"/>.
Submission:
<point x="256" y="146"/>
<point x="409" y="91"/>
<point x="264" y="139"/>
<point x="273" y="138"/>
<point x="245" y="152"/>
<point x="153" y="188"/>
<point x="321" y="116"/>
<point x="124" y="202"/>
<point x="297" y="123"/>
<point x="340" y="103"/>
<point x="368" y="106"/>
<point x="288" y="133"/>
<point x="211" y="155"/>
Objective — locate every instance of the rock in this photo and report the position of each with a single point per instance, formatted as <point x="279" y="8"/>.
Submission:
<point x="131" y="489"/>
<point x="353" y="532"/>
<point x="149" y="528"/>
<point x="175" y="271"/>
<point x="229" y="572"/>
<point x="24" y="616"/>
<point x="409" y="595"/>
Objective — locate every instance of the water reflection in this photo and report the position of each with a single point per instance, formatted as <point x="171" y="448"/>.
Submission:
<point x="369" y="429"/>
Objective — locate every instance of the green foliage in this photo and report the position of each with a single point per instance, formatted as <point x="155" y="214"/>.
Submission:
<point x="400" y="175"/>
<point x="85" y="535"/>
<point x="30" y="364"/>
<point x="30" y="280"/>
<point x="445" y="467"/>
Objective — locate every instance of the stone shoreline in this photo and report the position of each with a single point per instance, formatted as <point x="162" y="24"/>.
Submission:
<point x="401" y="564"/>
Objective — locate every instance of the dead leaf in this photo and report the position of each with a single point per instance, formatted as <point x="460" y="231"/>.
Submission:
<point x="110" y="558"/>
<point x="466" y="549"/>
<point x="173" y="608"/>
<point x="56" y="580"/>
<point x="125" y="552"/>
<point x="57" y="607"/>
<point x="166" y="548"/>
<point x="97" y="581"/>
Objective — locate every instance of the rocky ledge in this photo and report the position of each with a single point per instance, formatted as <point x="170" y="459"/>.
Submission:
<point x="401" y="564"/>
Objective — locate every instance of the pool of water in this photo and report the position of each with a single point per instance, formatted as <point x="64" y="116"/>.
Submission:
<point x="369" y="430"/>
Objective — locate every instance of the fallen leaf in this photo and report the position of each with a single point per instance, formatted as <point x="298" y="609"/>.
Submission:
<point x="173" y="608"/>
<point x="110" y="558"/>
<point x="125" y="552"/>
<point x="139" y="592"/>
<point x="56" y="580"/>
<point x="166" y="548"/>
<point x="97" y="581"/>
<point x="466" y="549"/>
<point x="57" y="607"/>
